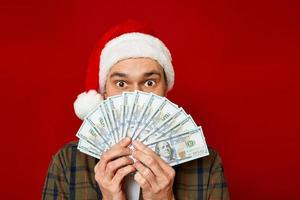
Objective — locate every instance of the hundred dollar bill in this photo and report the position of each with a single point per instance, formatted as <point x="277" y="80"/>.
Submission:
<point x="153" y="106"/>
<point x="171" y="122"/>
<point x="181" y="148"/>
<point x="104" y="109"/>
<point x="141" y="107"/>
<point x="130" y="100"/>
<point x="87" y="148"/>
<point x="88" y="133"/>
<point x="159" y="130"/>
<point x="160" y="116"/>
<point x="115" y="111"/>
<point x="125" y="111"/>
<point x="97" y="119"/>
<point x="184" y="125"/>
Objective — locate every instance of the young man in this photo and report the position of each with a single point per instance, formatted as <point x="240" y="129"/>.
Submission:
<point x="129" y="57"/>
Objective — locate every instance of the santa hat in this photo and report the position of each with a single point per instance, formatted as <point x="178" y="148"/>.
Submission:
<point x="128" y="40"/>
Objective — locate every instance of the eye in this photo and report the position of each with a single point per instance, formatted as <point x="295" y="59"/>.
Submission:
<point x="150" y="83"/>
<point x="121" y="84"/>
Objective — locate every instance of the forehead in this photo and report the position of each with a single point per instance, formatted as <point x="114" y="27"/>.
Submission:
<point x="135" y="66"/>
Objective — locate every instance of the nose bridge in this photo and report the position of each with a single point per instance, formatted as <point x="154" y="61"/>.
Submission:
<point x="136" y="86"/>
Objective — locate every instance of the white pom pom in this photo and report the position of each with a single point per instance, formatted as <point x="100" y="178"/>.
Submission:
<point x="86" y="102"/>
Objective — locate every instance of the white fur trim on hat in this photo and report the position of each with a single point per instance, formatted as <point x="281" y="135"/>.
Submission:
<point x="134" y="45"/>
<point x="86" y="102"/>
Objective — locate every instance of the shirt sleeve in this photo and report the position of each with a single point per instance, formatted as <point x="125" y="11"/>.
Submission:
<point x="56" y="183"/>
<point x="217" y="187"/>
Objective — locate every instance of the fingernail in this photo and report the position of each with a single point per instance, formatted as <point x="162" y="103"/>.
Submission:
<point x="131" y="160"/>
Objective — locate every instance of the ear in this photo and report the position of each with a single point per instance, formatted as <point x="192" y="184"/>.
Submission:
<point x="166" y="84"/>
<point x="104" y="95"/>
<point x="166" y="89"/>
<point x="166" y="93"/>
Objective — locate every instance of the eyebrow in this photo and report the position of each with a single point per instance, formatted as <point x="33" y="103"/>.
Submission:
<point x="123" y="75"/>
<point x="154" y="72"/>
<point x="118" y="74"/>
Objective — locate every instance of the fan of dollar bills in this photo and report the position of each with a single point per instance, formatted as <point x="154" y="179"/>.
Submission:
<point x="154" y="120"/>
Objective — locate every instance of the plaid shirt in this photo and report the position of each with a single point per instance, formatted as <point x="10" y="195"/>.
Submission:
<point x="71" y="176"/>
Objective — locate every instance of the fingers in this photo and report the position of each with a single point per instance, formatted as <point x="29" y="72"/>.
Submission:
<point x="125" y="142"/>
<point x="122" y="172"/>
<point x="114" y="165"/>
<point x="149" y="160"/>
<point x="146" y="172"/>
<point x="118" y="150"/>
<point x="146" y="178"/>
<point x="141" y="147"/>
<point x="160" y="169"/>
<point x="142" y="181"/>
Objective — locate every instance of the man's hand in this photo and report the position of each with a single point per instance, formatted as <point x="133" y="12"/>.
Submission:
<point x="153" y="174"/>
<point x="113" y="166"/>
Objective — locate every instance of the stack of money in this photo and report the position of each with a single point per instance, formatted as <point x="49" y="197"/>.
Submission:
<point x="154" y="120"/>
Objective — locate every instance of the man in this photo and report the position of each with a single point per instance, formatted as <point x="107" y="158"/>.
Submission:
<point x="129" y="57"/>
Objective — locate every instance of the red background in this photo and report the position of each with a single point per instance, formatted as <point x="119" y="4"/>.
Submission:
<point x="237" y="71"/>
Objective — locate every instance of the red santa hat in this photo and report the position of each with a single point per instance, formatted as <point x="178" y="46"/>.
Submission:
<point x="131" y="39"/>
